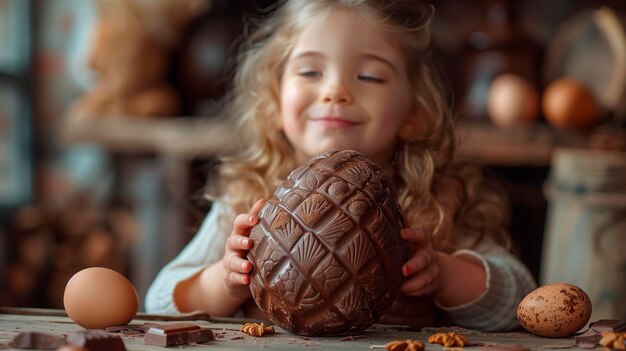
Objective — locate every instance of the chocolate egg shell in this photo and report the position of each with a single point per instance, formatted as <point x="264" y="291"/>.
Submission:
<point x="554" y="310"/>
<point x="327" y="253"/>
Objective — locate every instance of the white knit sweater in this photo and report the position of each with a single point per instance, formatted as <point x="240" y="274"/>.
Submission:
<point x="508" y="280"/>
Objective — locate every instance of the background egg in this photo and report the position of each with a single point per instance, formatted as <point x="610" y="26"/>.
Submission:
<point x="567" y="104"/>
<point x="554" y="310"/>
<point x="100" y="297"/>
<point x="512" y="101"/>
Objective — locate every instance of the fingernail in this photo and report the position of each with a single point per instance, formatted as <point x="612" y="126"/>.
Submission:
<point x="252" y="218"/>
<point x="244" y="265"/>
<point x="407" y="270"/>
<point x="246" y="242"/>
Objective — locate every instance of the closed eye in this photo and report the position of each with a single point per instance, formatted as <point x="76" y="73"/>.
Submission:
<point x="371" y="79"/>
<point x="310" y="74"/>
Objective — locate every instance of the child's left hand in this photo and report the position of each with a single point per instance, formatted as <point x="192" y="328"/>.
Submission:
<point x="422" y="267"/>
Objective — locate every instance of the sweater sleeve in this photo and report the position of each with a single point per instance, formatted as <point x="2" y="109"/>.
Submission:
<point x="508" y="281"/>
<point x="205" y="248"/>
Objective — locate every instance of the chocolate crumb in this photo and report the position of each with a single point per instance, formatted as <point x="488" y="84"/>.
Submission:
<point x="352" y="337"/>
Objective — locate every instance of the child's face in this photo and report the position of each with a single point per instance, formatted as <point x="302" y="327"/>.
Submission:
<point x="345" y="86"/>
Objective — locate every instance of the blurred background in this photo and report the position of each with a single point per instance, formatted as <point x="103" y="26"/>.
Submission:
<point x="110" y="127"/>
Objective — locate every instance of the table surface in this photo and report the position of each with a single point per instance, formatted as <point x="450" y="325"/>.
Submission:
<point x="14" y="321"/>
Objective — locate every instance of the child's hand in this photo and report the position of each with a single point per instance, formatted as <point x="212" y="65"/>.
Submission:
<point x="422" y="267"/>
<point x="236" y="266"/>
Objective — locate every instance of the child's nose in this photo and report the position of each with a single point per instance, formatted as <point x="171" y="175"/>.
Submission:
<point x="337" y="93"/>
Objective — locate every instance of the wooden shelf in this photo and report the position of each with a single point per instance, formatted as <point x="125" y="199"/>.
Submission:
<point x="185" y="137"/>
<point x="194" y="136"/>
<point x="530" y="146"/>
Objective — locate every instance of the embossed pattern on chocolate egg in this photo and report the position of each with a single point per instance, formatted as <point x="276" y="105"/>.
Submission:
<point x="327" y="253"/>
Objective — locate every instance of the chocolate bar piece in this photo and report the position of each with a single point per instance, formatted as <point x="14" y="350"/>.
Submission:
<point x="95" y="340"/>
<point x="588" y="338"/>
<point x="177" y="334"/>
<point x="608" y="325"/>
<point x="593" y="335"/>
<point x="37" y="341"/>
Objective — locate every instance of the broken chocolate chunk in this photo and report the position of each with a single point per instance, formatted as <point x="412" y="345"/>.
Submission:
<point x="96" y="340"/>
<point x="37" y="341"/>
<point x="590" y="340"/>
<point x="177" y="334"/>
<point x="592" y="336"/>
<point x="608" y="325"/>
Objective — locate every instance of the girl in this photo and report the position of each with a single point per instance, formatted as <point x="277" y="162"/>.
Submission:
<point x="353" y="74"/>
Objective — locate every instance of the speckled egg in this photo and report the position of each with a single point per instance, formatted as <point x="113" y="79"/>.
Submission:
<point x="554" y="310"/>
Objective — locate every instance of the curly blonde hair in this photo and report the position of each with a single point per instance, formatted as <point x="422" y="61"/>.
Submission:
<point x="432" y="189"/>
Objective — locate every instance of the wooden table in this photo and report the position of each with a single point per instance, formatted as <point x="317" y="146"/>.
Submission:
<point x="14" y="321"/>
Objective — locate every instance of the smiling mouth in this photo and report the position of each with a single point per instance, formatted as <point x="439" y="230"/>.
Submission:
<point x="334" y="122"/>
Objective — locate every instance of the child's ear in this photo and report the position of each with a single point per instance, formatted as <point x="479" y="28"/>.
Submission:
<point x="278" y="121"/>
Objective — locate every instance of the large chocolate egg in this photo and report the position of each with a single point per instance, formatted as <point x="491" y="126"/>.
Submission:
<point x="327" y="253"/>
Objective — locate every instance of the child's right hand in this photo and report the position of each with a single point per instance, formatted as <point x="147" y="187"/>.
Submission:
<point x="236" y="266"/>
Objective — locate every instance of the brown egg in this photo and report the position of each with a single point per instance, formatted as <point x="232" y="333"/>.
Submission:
<point x="512" y="101"/>
<point x="554" y="310"/>
<point x="568" y="104"/>
<point x="100" y="297"/>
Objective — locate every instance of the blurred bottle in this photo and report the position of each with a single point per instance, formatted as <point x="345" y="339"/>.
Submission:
<point x="498" y="46"/>
<point x="206" y="59"/>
